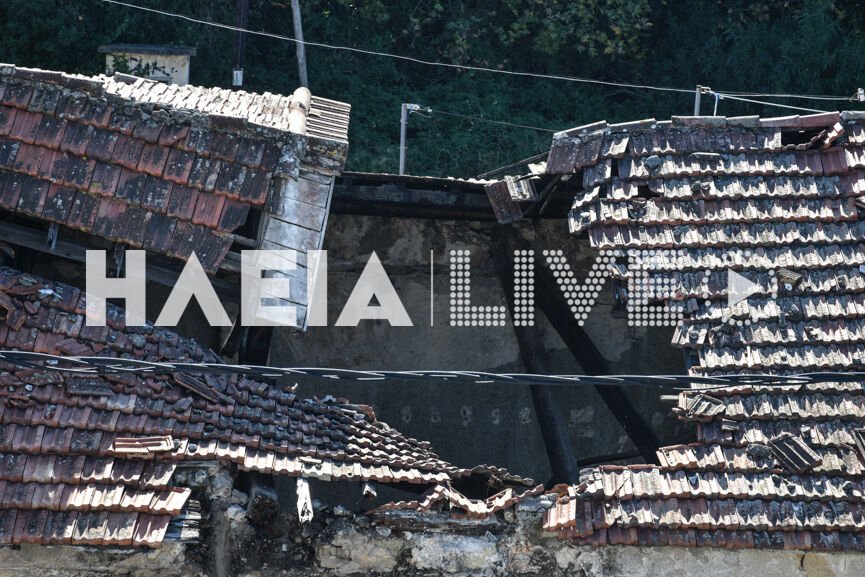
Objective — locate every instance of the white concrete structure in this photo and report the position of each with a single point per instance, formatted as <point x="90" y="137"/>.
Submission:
<point x="162" y="62"/>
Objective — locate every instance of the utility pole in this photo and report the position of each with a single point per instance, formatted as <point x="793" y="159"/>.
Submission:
<point x="404" y="111"/>
<point x="698" y="95"/>
<point x="301" y="48"/>
<point x="241" y="12"/>
<point x="403" y="120"/>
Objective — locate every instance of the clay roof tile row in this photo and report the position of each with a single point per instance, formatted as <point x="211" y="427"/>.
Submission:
<point x="776" y="200"/>
<point x="110" y="444"/>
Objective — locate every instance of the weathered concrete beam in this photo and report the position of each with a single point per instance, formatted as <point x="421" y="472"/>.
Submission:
<point x="554" y="427"/>
<point x="581" y="346"/>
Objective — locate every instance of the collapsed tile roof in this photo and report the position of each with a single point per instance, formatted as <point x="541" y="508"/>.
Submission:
<point x="172" y="169"/>
<point x="733" y="194"/>
<point x="443" y="493"/>
<point x="91" y="459"/>
<point x="777" y="200"/>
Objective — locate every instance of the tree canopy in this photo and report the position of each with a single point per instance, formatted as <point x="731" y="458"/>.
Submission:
<point x="757" y="46"/>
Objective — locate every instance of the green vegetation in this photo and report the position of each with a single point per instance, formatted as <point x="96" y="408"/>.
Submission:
<point x="805" y="46"/>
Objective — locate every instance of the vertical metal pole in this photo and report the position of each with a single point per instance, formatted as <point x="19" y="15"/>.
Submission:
<point x="301" y="48"/>
<point x="697" y="100"/>
<point x="403" y="120"/>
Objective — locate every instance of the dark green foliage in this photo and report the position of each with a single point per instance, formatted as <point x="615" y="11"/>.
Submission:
<point x="812" y="46"/>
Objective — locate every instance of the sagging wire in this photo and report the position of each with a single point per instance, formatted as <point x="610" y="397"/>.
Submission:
<point x="420" y="110"/>
<point x="395" y="56"/>
<point x="463" y="66"/>
<point x="799" y="96"/>
<point x="89" y="365"/>
<point x="490" y="121"/>
<point x="727" y="96"/>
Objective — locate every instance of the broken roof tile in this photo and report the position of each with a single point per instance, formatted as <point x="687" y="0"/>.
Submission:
<point x="98" y="453"/>
<point x="774" y="466"/>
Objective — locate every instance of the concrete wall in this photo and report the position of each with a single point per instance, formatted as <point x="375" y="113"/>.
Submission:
<point x="170" y="68"/>
<point x="469" y="425"/>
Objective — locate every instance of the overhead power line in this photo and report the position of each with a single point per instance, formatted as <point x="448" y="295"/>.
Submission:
<point x="450" y="64"/>
<point x="82" y="365"/>
<point x="728" y="96"/>
<point x="720" y="95"/>
<point x="396" y="56"/>
<point x="784" y="95"/>
<point x="481" y="119"/>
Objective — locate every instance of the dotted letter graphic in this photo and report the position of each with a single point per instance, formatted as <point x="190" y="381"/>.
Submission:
<point x="463" y="313"/>
<point x="580" y="297"/>
<point x="644" y="288"/>
<point x="524" y="288"/>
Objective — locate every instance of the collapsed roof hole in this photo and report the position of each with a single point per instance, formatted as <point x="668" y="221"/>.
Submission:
<point x="643" y="191"/>
<point x="799" y="136"/>
<point x="249" y="229"/>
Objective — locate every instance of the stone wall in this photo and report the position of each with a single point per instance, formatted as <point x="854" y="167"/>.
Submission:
<point x="516" y="547"/>
<point x="338" y="544"/>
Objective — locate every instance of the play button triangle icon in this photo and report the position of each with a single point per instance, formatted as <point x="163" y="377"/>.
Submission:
<point x="739" y="287"/>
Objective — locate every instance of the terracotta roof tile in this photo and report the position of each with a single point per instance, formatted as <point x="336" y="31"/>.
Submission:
<point x="99" y="448"/>
<point x="70" y="134"/>
<point x="84" y="211"/>
<point x="59" y="528"/>
<point x="774" y="467"/>
<point x="7" y="119"/>
<point x="50" y="132"/>
<point x="79" y="173"/>
<point x="179" y="166"/>
<point x="172" y="134"/>
<point x="120" y="529"/>
<point x="208" y="210"/>
<point x="28" y="159"/>
<point x="17" y="95"/>
<point x="204" y="173"/>
<point x="153" y="159"/>
<point x="72" y="105"/>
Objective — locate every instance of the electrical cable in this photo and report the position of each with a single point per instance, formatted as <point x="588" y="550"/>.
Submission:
<point x="466" y="67"/>
<point x="731" y="95"/>
<point x="718" y="96"/>
<point x="398" y="56"/>
<point x="481" y="119"/>
<point x="727" y="96"/>
<point x="88" y="365"/>
<point x="782" y="95"/>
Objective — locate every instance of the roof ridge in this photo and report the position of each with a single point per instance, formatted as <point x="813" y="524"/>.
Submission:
<point x="266" y="113"/>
